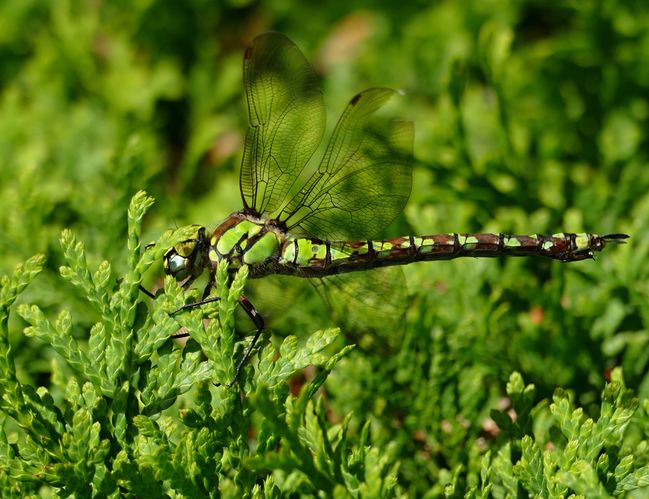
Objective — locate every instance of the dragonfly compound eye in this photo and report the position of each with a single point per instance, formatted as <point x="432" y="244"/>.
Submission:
<point x="186" y="259"/>
<point x="176" y="265"/>
<point x="178" y="260"/>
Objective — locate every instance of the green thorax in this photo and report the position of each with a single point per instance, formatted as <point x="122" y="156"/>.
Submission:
<point x="244" y="239"/>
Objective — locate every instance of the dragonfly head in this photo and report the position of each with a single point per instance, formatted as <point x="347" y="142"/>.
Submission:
<point x="187" y="258"/>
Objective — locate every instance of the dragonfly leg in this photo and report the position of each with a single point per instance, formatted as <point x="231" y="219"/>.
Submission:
<point x="252" y="312"/>
<point x="204" y="300"/>
<point x="247" y="306"/>
<point x="147" y="292"/>
<point x="189" y="306"/>
<point x="199" y="303"/>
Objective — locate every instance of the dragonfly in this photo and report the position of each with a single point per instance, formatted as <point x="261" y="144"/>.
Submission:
<point x="326" y="225"/>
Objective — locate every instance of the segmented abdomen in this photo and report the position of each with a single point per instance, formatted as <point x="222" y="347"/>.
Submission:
<point x="311" y="257"/>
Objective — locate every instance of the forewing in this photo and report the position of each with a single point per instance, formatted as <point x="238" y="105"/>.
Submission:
<point x="286" y="120"/>
<point x="364" y="179"/>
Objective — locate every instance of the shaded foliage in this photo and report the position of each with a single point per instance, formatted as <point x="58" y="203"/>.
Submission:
<point x="529" y="117"/>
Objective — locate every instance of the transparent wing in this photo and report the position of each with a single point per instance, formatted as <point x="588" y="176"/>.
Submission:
<point x="374" y="301"/>
<point x="286" y="120"/>
<point x="364" y="179"/>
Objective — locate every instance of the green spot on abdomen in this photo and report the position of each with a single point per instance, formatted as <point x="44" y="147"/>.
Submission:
<point x="467" y="242"/>
<point x="288" y="253"/>
<point x="582" y="241"/>
<point x="337" y="255"/>
<point x="319" y="251"/>
<point x="304" y="253"/>
<point x="512" y="242"/>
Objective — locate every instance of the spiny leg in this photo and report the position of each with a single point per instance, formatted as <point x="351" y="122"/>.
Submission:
<point x="185" y="285"/>
<point x="245" y="303"/>
<point x="147" y="292"/>
<point x="250" y="309"/>
<point x="199" y="303"/>
<point x="203" y="301"/>
<point x="252" y="312"/>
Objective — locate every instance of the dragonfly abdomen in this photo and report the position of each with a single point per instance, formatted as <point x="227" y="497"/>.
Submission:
<point x="310" y="257"/>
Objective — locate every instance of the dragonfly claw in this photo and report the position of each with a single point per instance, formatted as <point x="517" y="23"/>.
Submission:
<point x="615" y="238"/>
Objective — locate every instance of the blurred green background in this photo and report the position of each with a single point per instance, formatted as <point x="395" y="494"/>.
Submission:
<point x="530" y="116"/>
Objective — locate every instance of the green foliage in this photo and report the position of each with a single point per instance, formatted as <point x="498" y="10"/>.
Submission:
<point x="529" y="117"/>
<point x="585" y="456"/>
<point x="121" y="423"/>
<point x="107" y="429"/>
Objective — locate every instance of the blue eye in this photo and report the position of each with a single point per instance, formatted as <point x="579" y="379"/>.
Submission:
<point x="177" y="263"/>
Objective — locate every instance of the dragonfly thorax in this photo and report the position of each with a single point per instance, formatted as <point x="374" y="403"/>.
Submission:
<point x="243" y="239"/>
